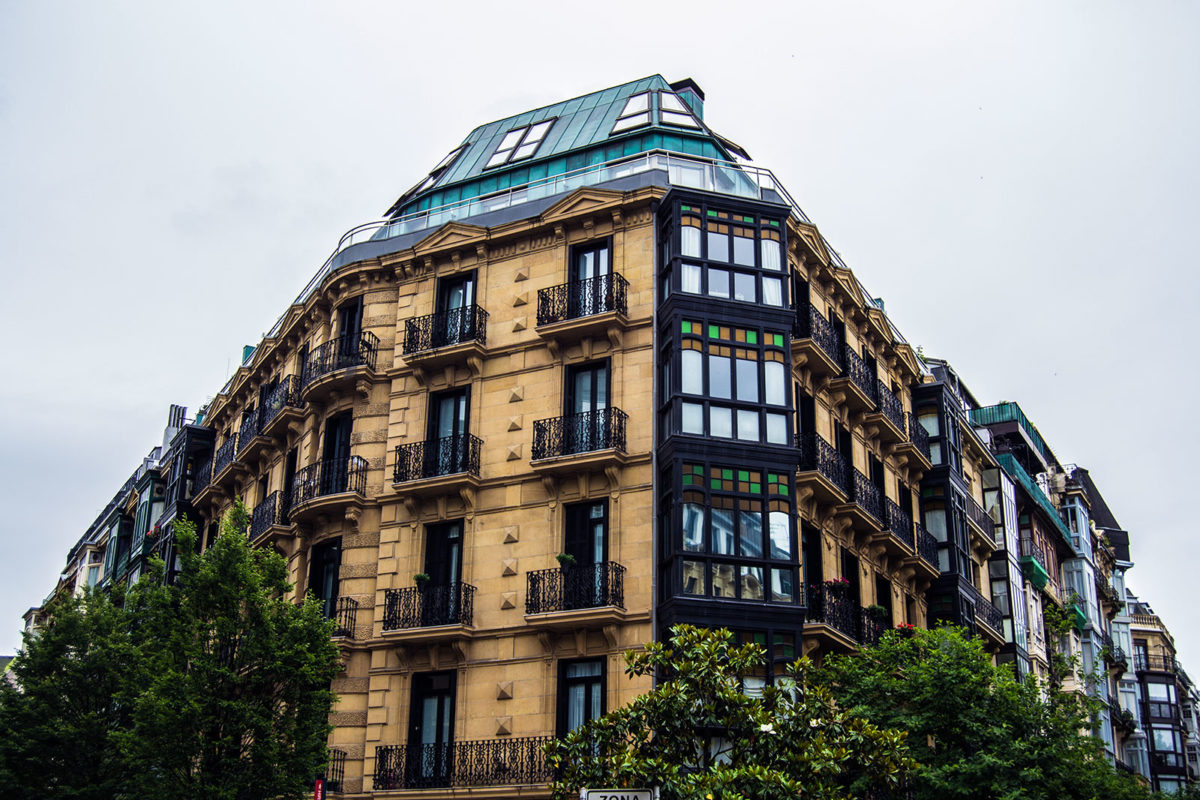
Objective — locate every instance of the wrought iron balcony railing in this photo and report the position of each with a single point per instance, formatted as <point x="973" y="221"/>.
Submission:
<point x="858" y="371"/>
<point x="927" y="545"/>
<point x="898" y="522"/>
<point x="224" y="455"/>
<point x="487" y="762"/>
<point x="1144" y="662"/>
<point x="917" y="434"/>
<point x="981" y="518"/>
<point x="340" y="353"/>
<point x="329" y="477"/>
<point x="1031" y="549"/>
<point x="1117" y="657"/>
<point x="449" y="455"/>
<point x="830" y="604"/>
<point x="251" y="425"/>
<point x="989" y="615"/>
<point x="202" y="476"/>
<point x="579" y="433"/>
<point x="445" y="328"/>
<point x="867" y="496"/>
<point x="286" y="394"/>
<point x="575" y="587"/>
<point x="871" y="626"/>
<point x="889" y="404"/>
<point x="811" y="324"/>
<point x="345" y="617"/>
<point x="273" y="510"/>
<point x="584" y="298"/>
<point x="335" y="773"/>
<point x="818" y="455"/>
<point x="429" y="606"/>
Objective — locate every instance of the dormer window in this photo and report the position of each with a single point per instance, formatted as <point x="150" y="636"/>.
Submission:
<point x="635" y="114"/>
<point x="519" y="144"/>
<point x="674" y="111"/>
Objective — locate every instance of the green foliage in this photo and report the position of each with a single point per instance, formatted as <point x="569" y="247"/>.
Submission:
<point x="216" y="686"/>
<point x="698" y="736"/>
<point x="976" y="730"/>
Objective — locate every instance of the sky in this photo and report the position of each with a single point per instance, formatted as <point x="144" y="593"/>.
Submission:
<point x="1016" y="180"/>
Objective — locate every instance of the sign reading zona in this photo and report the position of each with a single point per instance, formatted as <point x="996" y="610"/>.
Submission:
<point x="618" y="794"/>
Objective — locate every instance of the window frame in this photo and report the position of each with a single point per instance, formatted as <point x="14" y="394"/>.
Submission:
<point x="562" y="690"/>
<point x="509" y="155"/>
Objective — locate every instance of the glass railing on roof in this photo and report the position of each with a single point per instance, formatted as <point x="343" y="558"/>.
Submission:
<point x="1010" y="412"/>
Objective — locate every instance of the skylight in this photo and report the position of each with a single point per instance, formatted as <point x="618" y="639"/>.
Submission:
<point x="636" y="113"/>
<point x="674" y="112"/>
<point x="519" y="143"/>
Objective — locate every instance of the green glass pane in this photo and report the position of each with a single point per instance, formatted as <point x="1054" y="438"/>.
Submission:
<point x="714" y="332"/>
<point x="727" y="474"/>
<point x="743" y="475"/>
<point x="751" y="337"/>
<point x="712" y="213"/>
<point x="756" y="488"/>
<point x="715" y="483"/>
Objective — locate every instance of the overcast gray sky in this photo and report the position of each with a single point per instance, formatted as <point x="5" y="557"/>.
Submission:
<point x="1017" y="180"/>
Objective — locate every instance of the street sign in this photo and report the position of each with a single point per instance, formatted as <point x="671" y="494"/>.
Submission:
<point x="618" y="794"/>
<point x="319" y="789"/>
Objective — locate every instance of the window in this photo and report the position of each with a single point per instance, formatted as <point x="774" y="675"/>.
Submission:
<point x="448" y="450"/>
<point x="740" y="366"/>
<point x="673" y="111"/>
<point x="780" y="652"/>
<point x="590" y="285"/>
<point x="635" y="113"/>
<point x="456" y="320"/>
<point x="747" y="244"/>
<point x="587" y="426"/>
<point x="325" y="561"/>
<point x="580" y="693"/>
<point x="431" y="727"/>
<point x="519" y="143"/>
<point x="736" y="534"/>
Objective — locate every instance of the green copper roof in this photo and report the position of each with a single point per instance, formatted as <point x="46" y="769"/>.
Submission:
<point x="579" y="127"/>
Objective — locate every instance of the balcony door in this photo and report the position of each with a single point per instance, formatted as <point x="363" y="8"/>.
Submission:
<point x="441" y="599"/>
<point x="350" y="329"/>
<point x="455" y="323"/>
<point x="335" y="454"/>
<point x="586" y="540"/>
<point x="430" y="754"/>
<point x="447" y="448"/>
<point x="325" y="562"/>
<point x="590" y="288"/>
<point x="586" y="401"/>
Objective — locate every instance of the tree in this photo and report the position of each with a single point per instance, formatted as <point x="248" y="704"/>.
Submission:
<point x="698" y="736"/>
<point x="976" y="730"/>
<point x="216" y="686"/>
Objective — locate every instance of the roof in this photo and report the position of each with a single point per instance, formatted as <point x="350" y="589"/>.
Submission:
<point x="1102" y="515"/>
<point x="579" y="124"/>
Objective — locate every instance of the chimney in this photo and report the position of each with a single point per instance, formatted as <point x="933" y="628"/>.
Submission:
<point x="690" y="93"/>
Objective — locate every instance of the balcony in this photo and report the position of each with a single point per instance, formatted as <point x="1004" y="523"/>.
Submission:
<point x="990" y="620"/>
<point x="439" y="466"/>
<point x="980" y="521"/>
<point x="335" y="773"/>
<point x="822" y="471"/>
<point x="832" y="613"/>
<point x="1144" y="662"/>
<point x="915" y="445"/>
<point x="281" y="407"/>
<point x="588" y="441"/>
<point x="202" y="477"/>
<point x="865" y="509"/>
<point x="488" y="762"/>
<point x="247" y="434"/>
<point x="338" y="364"/>
<point x="409" y="611"/>
<point x="871" y="626"/>
<point x="223" y="460"/>
<point x="269" y="520"/>
<point x="345" y="618"/>
<point x="1122" y="718"/>
<point x="328" y="486"/>
<point x="579" y="309"/>
<point x="814" y="343"/>
<point x="897" y="533"/>
<point x="926" y="559"/>
<point x="576" y="595"/>
<point x="888" y="418"/>
<point x="1033" y="563"/>
<point x="856" y="386"/>
<point x="455" y="336"/>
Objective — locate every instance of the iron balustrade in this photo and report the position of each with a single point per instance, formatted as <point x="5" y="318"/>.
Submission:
<point x="898" y="522"/>
<point x="989" y="615"/>
<point x="345" y="617"/>
<point x="342" y="352"/>
<point x="445" y="328"/>
<point x="1144" y="662"/>
<point x="335" y="773"/>
<point x="917" y="434"/>
<point x="428" y="606"/>
<point x="285" y="395"/>
<point x="583" y="298"/>
<point x="574" y="587"/>
<point x="328" y="477"/>
<point x="1031" y="549"/>
<point x="224" y="455"/>
<point x="867" y="496"/>
<point x="449" y="455"/>
<point x="251" y="426"/>
<point x="818" y="455"/>
<point x="927" y="544"/>
<point x="858" y="371"/>
<point x="811" y="324"/>
<point x="830" y="604"/>
<point x="270" y="512"/>
<point x="980" y="517"/>
<point x="201" y="477"/>
<point x="579" y="433"/>
<point x="1118" y="658"/>
<point x="889" y="404"/>
<point x="871" y="627"/>
<point x="484" y="762"/>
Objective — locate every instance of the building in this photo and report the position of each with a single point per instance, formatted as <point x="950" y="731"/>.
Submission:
<point x="595" y="374"/>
